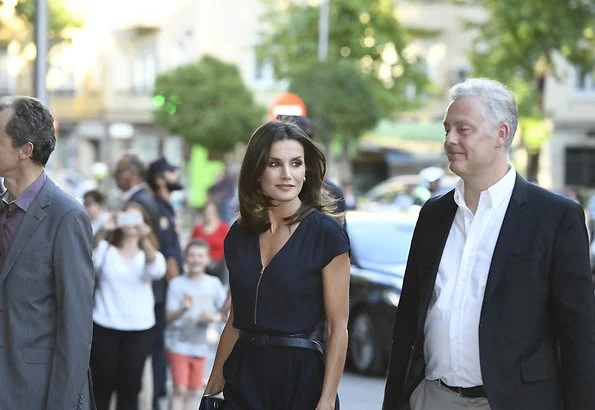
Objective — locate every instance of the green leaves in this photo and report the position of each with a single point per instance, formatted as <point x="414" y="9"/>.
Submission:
<point x="521" y="38"/>
<point x="60" y="17"/>
<point x="362" y="32"/>
<point x="207" y="104"/>
<point x="340" y="100"/>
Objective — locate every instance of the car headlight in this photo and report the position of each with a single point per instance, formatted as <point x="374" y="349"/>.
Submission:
<point x="392" y="297"/>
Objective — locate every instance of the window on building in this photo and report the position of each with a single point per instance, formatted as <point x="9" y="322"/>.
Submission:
<point x="584" y="83"/>
<point x="144" y="71"/>
<point x="137" y="59"/>
<point x="458" y="75"/>
<point x="580" y="166"/>
<point x="259" y="69"/>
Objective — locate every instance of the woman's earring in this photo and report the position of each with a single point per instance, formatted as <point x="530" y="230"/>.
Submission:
<point x="304" y="179"/>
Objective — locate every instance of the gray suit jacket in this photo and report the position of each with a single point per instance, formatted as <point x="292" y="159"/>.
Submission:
<point x="46" y="304"/>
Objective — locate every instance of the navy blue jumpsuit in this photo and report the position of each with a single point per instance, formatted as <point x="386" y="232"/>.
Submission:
<point x="283" y="298"/>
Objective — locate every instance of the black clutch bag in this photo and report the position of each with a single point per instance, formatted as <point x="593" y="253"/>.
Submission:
<point x="212" y="402"/>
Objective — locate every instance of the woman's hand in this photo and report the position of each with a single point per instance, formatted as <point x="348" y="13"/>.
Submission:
<point x="144" y="230"/>
<point x="326" y="405"/>
<point x="215" y="384"/>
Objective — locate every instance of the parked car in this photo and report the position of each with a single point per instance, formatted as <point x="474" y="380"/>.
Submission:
<point x="382" y="197"/>
<point x="379" y="249"/>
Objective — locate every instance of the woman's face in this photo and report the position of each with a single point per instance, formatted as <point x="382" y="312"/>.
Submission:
<point x="283" y="176"/>
<point x="211" y="212"/>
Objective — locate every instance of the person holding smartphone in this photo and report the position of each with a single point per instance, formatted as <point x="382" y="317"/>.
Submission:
<point x="126" y="263"/>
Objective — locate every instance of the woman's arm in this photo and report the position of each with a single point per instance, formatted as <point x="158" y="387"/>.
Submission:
<point x="149" y="249"/>
<point x="228" y="339"/>
<point x="335" y="283"/>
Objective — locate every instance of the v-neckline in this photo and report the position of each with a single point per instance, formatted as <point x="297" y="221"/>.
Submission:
<point x="280" y="249"/>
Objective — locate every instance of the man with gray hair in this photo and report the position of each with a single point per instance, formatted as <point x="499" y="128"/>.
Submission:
<point x="46" y="271"/>
<point x="497" y="305"/>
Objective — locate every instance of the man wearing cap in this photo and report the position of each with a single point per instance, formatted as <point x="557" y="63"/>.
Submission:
<point x="164" y="178"/>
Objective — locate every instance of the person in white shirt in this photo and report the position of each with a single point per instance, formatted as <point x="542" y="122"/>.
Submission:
<point x="497" y="306"/>
<point x="193" y="301"/>
<point x="126" y="264"/>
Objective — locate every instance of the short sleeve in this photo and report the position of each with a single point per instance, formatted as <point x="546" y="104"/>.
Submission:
<point x="230" y="240"/>
<point x="156" y="269"/>
<point x="174" y="296"/>
<point x="170" y="245"/>
<point x="334" y="239"/>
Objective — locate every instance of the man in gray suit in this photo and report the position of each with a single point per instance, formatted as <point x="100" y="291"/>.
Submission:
<point x="46" y="271"/>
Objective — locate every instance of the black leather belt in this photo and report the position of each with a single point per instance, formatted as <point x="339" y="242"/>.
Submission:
<point x="467" y="392"/>
<point x="300" y="340"/>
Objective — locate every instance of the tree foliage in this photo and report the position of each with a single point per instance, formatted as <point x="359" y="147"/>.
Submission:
<point x="340" y="100"/>
<point x="521" y="39"/>
<point x="364" y="32"/>
<point x="206" y="103"/>
<point x="59" y="16"/>
<point x="519" y="43"/>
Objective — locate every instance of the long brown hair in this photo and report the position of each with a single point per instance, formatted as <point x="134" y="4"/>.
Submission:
<point x="115" y="237"/>
<point x="253" y="202"/>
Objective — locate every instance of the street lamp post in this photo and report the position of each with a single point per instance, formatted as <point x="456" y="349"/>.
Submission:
<point x="323" y="29"/>
<point x="41" y="43"/>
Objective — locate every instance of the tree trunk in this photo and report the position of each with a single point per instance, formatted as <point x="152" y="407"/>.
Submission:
<point x="533" y="166"/>
<point x="346" y="169"/>
<point x="215" y="155"/>
<point x="533" y="157"/>
<point x="330" y="163"/>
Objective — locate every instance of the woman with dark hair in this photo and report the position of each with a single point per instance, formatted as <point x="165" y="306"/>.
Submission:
<point x="288" y="267"/>
<point x="126" y="264"/>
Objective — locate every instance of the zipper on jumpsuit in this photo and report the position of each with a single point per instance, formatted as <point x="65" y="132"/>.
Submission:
<point x="257" y="289"/>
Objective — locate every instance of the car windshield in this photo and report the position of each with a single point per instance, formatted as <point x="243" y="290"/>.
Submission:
<point x="380" y="241"/>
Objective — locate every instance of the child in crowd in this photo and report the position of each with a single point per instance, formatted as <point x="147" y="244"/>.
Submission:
<point x="193" y="301"/>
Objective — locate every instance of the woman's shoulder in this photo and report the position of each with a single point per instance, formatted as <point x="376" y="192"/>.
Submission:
<point x="324" y="220"/>
<point x="197" y="229"/>
<point x="103" y="248"/>
<point x="236" y="231"/>
<point x="224" y="226"/>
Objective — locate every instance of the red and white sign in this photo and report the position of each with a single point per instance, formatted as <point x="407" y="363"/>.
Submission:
<point x="287" y="104"/>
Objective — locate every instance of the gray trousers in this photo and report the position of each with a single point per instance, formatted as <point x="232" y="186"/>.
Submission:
<point x="431" y="395"/>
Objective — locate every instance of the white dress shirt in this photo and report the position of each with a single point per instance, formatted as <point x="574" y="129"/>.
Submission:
<point x="451" y="346"/>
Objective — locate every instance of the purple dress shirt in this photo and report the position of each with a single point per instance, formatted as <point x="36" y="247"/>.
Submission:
<point x="12" y="212"/>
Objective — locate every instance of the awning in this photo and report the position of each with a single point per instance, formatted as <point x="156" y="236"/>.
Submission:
<point x="411" y="136"/>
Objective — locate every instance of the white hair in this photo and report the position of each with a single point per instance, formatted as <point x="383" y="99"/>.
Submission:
<point x="499" y="105"/>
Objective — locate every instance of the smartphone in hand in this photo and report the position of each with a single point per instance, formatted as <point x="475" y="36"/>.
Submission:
<point x="129" y="218"/>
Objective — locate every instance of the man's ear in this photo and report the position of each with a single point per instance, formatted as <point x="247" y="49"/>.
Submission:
<point x="26" y="151"/>
<point x="503" y="132"/>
